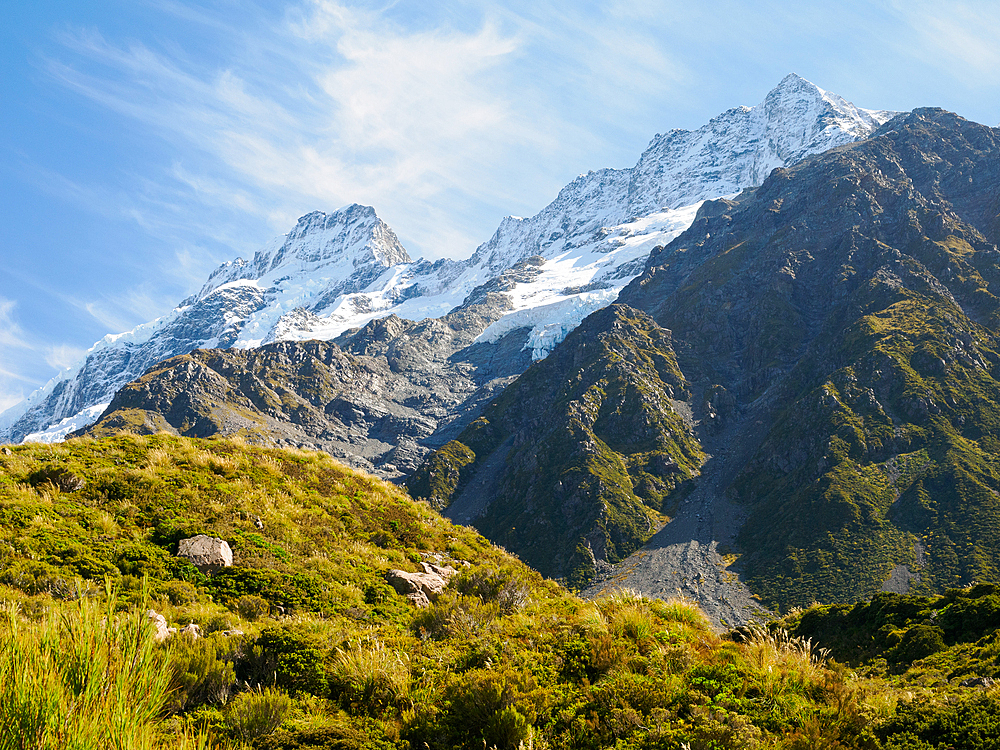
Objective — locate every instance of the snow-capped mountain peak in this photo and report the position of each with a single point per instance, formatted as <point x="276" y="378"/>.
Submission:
<point x="351" y="245"/>
<point x="740" y="147"/>
<point x="341" y="270"/>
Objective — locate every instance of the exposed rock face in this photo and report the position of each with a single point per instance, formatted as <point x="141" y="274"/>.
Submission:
<point x="396" y="390"/>
<point x="207" y="553"/>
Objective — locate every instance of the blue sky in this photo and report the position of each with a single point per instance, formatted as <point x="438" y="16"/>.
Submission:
<point x="143" y="142"/>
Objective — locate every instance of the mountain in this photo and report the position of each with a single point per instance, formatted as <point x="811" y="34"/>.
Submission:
<point x="336" y="272"/>
<point x="362" y="398"/>
<point x="837" y="331"/>
<point x="850" y="309"/>
<point x="238" y="300"/>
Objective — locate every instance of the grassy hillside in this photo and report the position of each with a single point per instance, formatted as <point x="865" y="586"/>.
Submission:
<point x="307" y="646"/>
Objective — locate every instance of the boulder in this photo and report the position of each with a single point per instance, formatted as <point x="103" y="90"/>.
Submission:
<point x="207" y="553"/>
<point x="159" y="622"/>
<point x="983" y="682"/>
<point x="418" y="599"/>
<point x="192" y="630"/>
<point x="420" y="588"/>
<point x="444" y="572"/>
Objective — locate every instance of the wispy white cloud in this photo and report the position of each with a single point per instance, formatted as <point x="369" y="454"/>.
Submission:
<point x="13" y="347"/>
<point x="423" y="121"/>
<point x="11" y="333"/>
<point x="961" y="36"/>
<point x="61" y="356"/>
<point x="123" y="311"/>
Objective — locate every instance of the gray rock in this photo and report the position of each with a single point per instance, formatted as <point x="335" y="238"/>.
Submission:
<point x="421" y="588"/>
<point x="983" y="682"/>
<point x="207" y="553"/>
<point x="159" y="623"/>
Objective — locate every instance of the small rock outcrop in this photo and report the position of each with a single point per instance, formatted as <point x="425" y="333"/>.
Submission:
<point x="207" y="553"/>
<point x="159" y="623"/>
<point x="421" y="588"/>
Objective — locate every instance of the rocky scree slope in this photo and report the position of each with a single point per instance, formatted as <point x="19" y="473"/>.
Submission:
<point x="338" y="271"/>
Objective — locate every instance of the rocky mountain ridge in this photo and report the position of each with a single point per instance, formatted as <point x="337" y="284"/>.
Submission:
<point x="339" y="271"/>
<point x="364" y="398"/>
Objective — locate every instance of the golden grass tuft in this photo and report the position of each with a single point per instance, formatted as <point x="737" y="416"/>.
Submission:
<point x="92" y="677"/>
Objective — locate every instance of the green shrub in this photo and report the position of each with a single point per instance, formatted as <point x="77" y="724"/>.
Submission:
<point x="218" y="623"/>
<point x="492" y="706"/>
<point x="257" y="713"/>
<point x="180" y="592"/>
<point x="917" y="642"/>
<point x="970" y="725"/>
<point x="451" y="616"/>
<point x="290" y="590"/>
<point x="286" y="658"/>
<point x="252" y="607"/>
<point x="969" y="617"/>
<point x="503" y="586"/>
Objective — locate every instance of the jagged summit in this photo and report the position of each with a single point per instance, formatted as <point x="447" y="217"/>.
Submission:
<point x="735" y="150"/>
<point x="351" y="244"/>
<point x="337" y="271"/>
<point x="740" y="147"/>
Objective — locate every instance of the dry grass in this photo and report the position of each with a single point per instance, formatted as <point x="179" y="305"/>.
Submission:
<point x="371" y="674"/>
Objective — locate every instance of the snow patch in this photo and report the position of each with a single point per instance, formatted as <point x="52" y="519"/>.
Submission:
<point x="576" y="283"/>
<point x="57" y="433"/>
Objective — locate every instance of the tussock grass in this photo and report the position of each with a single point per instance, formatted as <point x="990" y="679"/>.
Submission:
<point x="258" y="713"/>
<point x="329" y="655"/>
<point x="369" y="674"/>
<point x="86" y="677"/>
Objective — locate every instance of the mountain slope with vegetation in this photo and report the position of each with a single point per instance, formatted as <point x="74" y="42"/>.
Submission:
<point x="579" y="459"/>
<point x="851" y="301"/>
<point x="836" y="329"/>
<point x="305" y="644"/>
